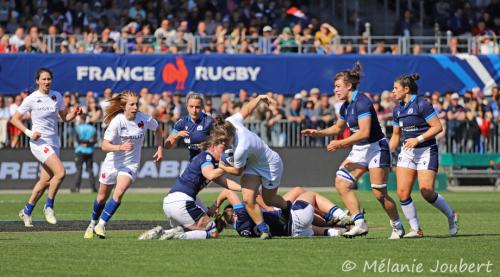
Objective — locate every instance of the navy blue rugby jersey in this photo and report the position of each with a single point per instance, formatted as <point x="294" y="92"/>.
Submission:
<point x="192" y="181"/>
<point x="360" y="107"/>
<point x="198" y="131"/>
<point x="245" y="226"/>
<point x="412" y="118"/>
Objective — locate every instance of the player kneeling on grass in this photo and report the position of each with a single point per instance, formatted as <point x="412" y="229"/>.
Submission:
<point x="187" y="216"/>
<point x="123" y="141"/>
<point x="310" y="210"/>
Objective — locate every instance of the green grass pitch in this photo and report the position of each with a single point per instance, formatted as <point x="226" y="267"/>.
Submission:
<point x="67" y="253"/>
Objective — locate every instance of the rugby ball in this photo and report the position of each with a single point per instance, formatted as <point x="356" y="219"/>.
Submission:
<point x="228" y="157"/>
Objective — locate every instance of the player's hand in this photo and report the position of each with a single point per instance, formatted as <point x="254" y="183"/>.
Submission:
<point x="182" y="134"/>
<point x="158" y="156"/>
<point x="333" y="145"/>
<point x="310" y="132"/>
<point x="213" y="210"/>
<point x="127" y="146"/>
<point x="36" y="135"/>
<point x="266" y="99"/>
<point x="410" y="143"/>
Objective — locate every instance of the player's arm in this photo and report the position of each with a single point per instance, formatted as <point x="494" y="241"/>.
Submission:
<point x="172" y="139"/>
<point x="17" y="122"/>
<point x="248" y="109"/>
<point x="158" y="156"/>
<point x="107" y="146"/>
<point x="210" y="172"/>
<point x="363" y="133"/>
<point x="395" y="139"/>
<point x="227" y="183"/>
<point x="68" y="115"/>
<point x="333" y="130"/>
<point x="231" y="169"/>
<point x="435" y="128"/>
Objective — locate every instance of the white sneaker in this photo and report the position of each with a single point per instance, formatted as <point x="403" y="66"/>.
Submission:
<point x="49" y="215"/>
<point x="346" y="219"/>
<point x="397" y="233"/>
<point x="174" y="233"/>
<point x="100" y="231"/>
<point x="413" y="234"/>
<point x="357" y="230"/>
<point x="89" y="233"/>
<point x="453" y="226"/>
<point x="154" y="233"/>
<point x="25" y="218"/>
<point x="335" y="232"/>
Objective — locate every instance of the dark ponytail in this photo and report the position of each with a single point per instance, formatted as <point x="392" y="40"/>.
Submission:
<point x="409" y="81"/>
<point x="350" y="76"/>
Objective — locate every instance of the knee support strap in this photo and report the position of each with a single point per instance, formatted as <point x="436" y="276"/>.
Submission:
<point x="383" y="186"/>
<point x="346" y="175"/>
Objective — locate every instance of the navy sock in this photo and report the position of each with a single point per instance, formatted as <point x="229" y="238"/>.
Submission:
<point x="109" y="209"/>
<point x="329" y="216"/>
<point x="97" y="210"/>
<point x="49" y="203"/>
<point x="358" y="217"/>
<point x="263" y="227"/>
<point x="28" y="209"/>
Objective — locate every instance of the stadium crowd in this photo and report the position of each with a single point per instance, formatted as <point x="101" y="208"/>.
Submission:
<point x="233" y="26"/>
<point x="470" y="119"/>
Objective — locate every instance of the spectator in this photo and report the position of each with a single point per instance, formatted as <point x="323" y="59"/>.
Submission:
<point x="277" y="131"/>
<point x="15" y="133"/>
<point x="294" y="114"/>
<point x="17" y="40"/>
<point x="404" y="26"/>
<point x="4" y="119"/>
<point x="325" y="34"/>
<point x="86" y="137"/>
<point x="456" y="123"/>
<point x="265" y="45"/>
<point x="286" y="43"/>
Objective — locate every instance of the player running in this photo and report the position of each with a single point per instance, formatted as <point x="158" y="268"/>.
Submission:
<point x="44" y="105"/>
<point x="123" y="141"/>
<point x="370" y="152"/>
<point x="194" y="128"/>
<point x="416" y="124"/>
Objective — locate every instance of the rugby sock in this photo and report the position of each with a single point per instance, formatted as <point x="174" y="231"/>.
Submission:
<point x="97" y="210"/>
<point x="28" y="209"/>
<point x="441" y="204"/>
<point x="49" y="203"/>
<point x="108" y="211"/>
<point x="359" y="219"/>
<point x="263" y="227"/>
<point x="196" y="234"/>
<point x="396" y="224"/>
<point x="335" y="212"/>
<point x="410" y="212"/>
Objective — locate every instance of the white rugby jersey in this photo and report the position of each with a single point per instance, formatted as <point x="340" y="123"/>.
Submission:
<point x="249" y="149"/>
<point x="44" y="109"/>
<point x="120" y="130"/>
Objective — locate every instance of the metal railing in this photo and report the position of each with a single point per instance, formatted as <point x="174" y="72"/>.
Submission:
<point x="209" y="44"/>
<point x="456" y="139"/>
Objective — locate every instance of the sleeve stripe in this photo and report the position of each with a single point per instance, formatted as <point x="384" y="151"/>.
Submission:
<point x="395" y="123"/>
<point x="364" y="115"/>
<point x="429" y="117"/>
<point x="175" y="131"/>
<point x="238" y="206"/>
<point x="203" y="165"/>
<point x="342" y="118"/>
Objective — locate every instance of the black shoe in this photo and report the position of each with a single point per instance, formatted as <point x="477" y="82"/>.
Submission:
<point x="285" y="213"/>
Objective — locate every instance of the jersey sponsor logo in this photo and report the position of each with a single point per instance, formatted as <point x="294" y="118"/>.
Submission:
<point x="140" y="124"/>
<point x="412" y="128"/>
<point x="120" y="73"/>
<point x="132" y="137"/>
<point x="410" y="111"/>
<point x="208" y="158"/>
<point x="44" y="109"/>
<point x="199" y="128"/>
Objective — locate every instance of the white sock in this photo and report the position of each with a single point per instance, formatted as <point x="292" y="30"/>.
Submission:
<point x="441" y="204"/>
<point x="396" y="224"/>
<point x="197" y="234"/>
<point x="359" y="219"/>
<point x="93" y="222"/>
<point x="339" y="214"/>
<point x="410" y="212"/>
<point x="101" y="222"/>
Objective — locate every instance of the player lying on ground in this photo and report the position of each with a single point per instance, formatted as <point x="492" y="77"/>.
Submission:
<point x="188" y="217"/>
<point x="310" y="213"/>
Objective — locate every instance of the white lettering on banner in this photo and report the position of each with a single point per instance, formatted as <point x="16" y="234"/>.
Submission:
<point x="9" y="169"/>
<point x="228" y="73"/>
<point x="29" y="171"/>
<point x="135" y="73"/>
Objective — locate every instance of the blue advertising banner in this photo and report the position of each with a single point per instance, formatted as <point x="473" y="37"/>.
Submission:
<point x="216" y="74"/>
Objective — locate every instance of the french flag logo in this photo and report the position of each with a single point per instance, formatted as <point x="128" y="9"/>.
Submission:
<point x="296" y="12"/>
